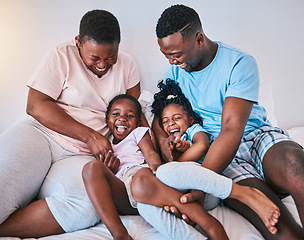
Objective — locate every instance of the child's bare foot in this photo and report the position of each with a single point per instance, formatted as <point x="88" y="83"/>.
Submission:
<point x="261" y="204"/>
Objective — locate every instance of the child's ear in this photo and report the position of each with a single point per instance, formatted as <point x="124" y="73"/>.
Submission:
<point x="139" y="122"/>
<point x="191" y="120"/>
<point x="77" y="40"/>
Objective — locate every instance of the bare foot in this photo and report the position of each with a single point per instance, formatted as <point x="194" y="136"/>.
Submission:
<point x="262" y="205"/>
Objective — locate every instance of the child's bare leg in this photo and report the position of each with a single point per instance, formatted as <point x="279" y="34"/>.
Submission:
<point x="146" y="188"/>
<point x="108" y="196"/>
<point x="258" y="202"/>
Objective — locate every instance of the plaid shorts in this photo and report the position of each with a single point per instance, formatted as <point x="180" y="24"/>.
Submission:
<point x="248" y="160"/>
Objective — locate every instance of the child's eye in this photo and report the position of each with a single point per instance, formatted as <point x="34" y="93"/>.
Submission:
<point x="130" y="116"/>
<point x="115" y="114"/>
<point x="165" y="122"/>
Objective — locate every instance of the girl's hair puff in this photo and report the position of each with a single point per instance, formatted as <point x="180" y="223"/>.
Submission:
<point x="170" y="92"/>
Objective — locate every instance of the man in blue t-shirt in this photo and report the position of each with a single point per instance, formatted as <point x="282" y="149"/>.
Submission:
<point x="222" y="84"/>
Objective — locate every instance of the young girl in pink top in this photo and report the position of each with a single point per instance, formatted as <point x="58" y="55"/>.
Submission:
<point x="132" y="145"/>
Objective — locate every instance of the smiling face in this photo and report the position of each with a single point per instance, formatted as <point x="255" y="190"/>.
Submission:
<point x="182" y="52"/>
<point x="99" y="58"/>
<point x="175" y="120"/>
<point x="122" y="118"/>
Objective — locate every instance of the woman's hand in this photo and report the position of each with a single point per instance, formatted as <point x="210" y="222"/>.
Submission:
<point x="98" y="145"/>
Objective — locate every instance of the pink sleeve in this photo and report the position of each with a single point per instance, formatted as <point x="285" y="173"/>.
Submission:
<point x="133" y="77"/>
<point x="49" y="77"/>
<point x="140" y="132"/>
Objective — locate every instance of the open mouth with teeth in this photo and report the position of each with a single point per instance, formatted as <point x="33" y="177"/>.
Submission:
<point x="175" y="132"/>
<point x="121" y="129"/>
<point x="182" y="65"/>
<point x="100" y="69"/>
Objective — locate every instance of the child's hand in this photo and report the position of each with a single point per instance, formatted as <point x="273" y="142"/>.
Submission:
<point x="181" y="145"/>
<point x="171" y="147"/>
<point x="111" y="161"/>
<point x="176" y="143"/>
<point x="154" y="167"/>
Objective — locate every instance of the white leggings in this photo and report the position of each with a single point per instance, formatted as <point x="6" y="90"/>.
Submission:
<point x="30" y="157"/>
<point x="184" y="176"/>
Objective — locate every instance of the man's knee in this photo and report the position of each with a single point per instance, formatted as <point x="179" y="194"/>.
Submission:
<point x="284" y="162"/>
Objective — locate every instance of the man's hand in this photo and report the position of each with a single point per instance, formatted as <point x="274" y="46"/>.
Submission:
<point x="192" y="196"/>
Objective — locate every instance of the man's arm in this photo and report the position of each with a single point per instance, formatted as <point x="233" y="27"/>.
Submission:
<point x="46" y="111"/>
<point x="162" y="139"/>
<point x="235" y="115"/>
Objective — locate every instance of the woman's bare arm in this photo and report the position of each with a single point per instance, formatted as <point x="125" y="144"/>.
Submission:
<point x="46" y="111"/>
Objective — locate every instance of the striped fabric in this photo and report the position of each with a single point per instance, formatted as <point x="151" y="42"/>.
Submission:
<point x="248" y="160"/>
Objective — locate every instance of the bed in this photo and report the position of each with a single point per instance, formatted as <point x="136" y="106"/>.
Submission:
<point x="236" y="226"/>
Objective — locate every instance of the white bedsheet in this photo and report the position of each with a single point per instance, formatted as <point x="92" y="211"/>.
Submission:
<point x="236" y="226"/>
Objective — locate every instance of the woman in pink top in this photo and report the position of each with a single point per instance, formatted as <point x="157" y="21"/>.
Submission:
<point x="65" y="128"/>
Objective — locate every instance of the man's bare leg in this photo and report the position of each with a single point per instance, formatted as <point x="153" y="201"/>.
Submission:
<point x="283" y="167"/>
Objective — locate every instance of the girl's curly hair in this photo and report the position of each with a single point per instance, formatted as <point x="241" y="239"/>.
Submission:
<point x="170" y="92"/>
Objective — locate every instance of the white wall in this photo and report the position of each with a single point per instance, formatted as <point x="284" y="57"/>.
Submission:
<point x="272" y="31"/>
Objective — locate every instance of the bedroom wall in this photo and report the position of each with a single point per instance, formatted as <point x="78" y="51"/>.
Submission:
<point x="272" y="31"/>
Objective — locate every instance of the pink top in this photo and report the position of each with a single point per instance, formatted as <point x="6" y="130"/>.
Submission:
<point x="128" y="151"/>
<point x="63" y="76"/>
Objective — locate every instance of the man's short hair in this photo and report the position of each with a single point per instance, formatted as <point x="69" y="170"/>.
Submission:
<point x="100" y="26"/>
<point x="178" y="18"/>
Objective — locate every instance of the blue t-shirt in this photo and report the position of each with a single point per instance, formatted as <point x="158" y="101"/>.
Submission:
<point x="232" y="73"/>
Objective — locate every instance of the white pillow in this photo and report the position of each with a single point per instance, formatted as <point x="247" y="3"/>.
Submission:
<point x="146" y="99"/>
<point x="297" y="134"/>
<point x="266" y="100"/>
